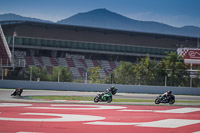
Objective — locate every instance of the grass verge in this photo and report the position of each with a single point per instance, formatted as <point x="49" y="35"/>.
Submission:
<point x="92" y="98"/>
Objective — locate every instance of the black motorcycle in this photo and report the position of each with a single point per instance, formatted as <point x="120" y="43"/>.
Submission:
<point x="17" y="92"/>
<point x="169" y="99"/>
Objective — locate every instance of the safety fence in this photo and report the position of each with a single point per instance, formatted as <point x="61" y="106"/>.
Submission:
<point x="65" y="86"/>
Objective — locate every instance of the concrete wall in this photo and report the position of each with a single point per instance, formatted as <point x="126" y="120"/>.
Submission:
<point x="97" y="87"/>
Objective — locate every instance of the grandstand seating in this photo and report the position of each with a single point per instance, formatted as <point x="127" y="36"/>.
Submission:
<point x="96" y="63"/>
<point x="62" y="62"/>
<point x="4" y="57"/>
<point x="81" y="71"/>
<point x="70" y="62"/>
<point x="83" y="62"/>
<point x="89" y="63"/>
<point x="112" y="65"/>
<point x="29" y="61"/>
<point x="79" y="67"/>
<point x="54" y="62"/>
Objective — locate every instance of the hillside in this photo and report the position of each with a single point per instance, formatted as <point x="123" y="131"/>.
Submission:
<point x="104" y="18"/>
<point x="11" y="16"/>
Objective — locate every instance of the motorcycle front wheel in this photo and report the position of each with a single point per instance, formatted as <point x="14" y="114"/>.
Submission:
<point x="171" y="101"/>
<point x="109" y="100"/>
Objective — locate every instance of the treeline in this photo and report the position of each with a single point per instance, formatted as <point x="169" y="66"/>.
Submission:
<point x="170" y="71"/>
<point x="60" y="74"/>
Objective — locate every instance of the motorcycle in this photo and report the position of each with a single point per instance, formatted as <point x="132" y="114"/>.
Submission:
<point x="106" y="96"/>
<point x="169" y="99"/>
<point x="17" y="92"/>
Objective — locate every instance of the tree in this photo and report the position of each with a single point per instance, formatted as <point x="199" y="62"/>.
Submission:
<point x="110" y="79"/>
<point x="175" y="68"/>
<point x="161" y="73"/>
<point x="145" y="70"/>
<point x="35" y="72"/>
<point x="54" y="76"/>
<point x="66" y="74"/>
<point x="94" y="75"/>
<point x="44" y="76"/>
<point x="124" y="74"/>
<point x="62" y="74"/>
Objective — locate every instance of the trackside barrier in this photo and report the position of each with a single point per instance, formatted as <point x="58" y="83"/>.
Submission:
<point x="42" y="85"/>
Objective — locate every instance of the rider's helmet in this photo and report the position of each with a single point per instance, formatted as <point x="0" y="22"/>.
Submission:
<point x="169" y="92"/>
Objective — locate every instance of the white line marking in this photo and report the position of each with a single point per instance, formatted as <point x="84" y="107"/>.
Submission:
<point x="179" y="110"/>
<point x="167" y="123"/>
<point x="59" y="100"/>
<point x="111" y="123"/>
<point x="14" y="104"/>
<point x="28" y="132"/>
<point x="62" y="118"/>
<point x="83" y="107"/>
<point x="136" y="110"/>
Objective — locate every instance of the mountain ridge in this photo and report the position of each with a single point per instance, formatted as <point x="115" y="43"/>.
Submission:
<point x="103" y="18"/>
<point x="12" y="16"/>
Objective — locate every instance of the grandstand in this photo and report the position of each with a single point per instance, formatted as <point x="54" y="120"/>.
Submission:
<point x="5" y="54"/>
<point x="80" y="48"/>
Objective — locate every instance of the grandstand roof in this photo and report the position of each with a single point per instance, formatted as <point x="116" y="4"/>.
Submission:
<point x="92" y="34"/>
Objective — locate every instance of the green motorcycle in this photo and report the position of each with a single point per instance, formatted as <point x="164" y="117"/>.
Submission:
<point x="106" y="96"/>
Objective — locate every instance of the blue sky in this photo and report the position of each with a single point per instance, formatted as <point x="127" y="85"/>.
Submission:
<point x="173" y="12"/>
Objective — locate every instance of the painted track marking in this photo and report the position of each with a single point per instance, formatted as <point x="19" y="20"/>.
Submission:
<point x="84" y="107"/>
<point x="179" y="110"/>
<point x="166" y="123"/>
<point x="14" y="104"/>
<point x="63" y="118"/>
<point x="66" y="118"/>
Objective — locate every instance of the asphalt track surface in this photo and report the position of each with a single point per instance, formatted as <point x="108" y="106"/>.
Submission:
<point x="96" y="118"/>
<point x="5" y="96"/>
<point x="18" y="115"/>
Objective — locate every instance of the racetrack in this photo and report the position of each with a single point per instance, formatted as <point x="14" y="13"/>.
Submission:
<point x="19" y="115"/>
<point x="5" y="96"/>
<point x="95" y="118"/>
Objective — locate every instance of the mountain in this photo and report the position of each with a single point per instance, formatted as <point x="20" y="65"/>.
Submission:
<point x="11" y="16"/>
<point x="104" y="18"/>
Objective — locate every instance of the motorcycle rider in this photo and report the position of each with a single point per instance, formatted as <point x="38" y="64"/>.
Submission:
<point x="17" y="92"/>
<point x="112" y="90"/>
<point x="166" y="94"/>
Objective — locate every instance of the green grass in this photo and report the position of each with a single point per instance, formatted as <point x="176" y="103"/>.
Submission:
<point x="63" y="98"/>
<point x="92" y="98"/>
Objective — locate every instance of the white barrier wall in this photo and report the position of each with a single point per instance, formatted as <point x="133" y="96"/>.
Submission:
<point x="97" y="87"/>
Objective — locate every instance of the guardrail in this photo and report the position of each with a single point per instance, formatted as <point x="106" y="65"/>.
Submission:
<point x="65" y="86"/>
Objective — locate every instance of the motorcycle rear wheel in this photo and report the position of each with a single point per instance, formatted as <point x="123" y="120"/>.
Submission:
<point x="157" y="101"/>
<point x="96" y="99"/>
